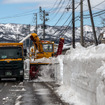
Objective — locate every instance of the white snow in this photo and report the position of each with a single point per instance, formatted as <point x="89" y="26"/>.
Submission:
<point x="69" y="95"/>
<point x="19" y="31"/>
<point x="5" y="99"/>
<point x="18" y="102"/>
<point x="25" y="38"/>
<point x="19" y="97"/>
<point x="83" y="75"/>
<point x="60" y="60"/>
<point x="80" y="74"/>
<point x="42" y="60"/>
<point x="104" y="35"/>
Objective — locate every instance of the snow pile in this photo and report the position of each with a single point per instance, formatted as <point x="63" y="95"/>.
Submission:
<point x="69" y="95"/>
<point x="47" y="73"/>
<point x="84" y="73"/>
<point x="60" y="59"/>
<point x="101" y="71"/>
<point x="81" y="74"/>
<point x="101" y="87"/>
<point x="26" y="68"/>
<point x="42" y="60"/>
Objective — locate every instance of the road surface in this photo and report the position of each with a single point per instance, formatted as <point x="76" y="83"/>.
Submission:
<point x="26" y="93"/>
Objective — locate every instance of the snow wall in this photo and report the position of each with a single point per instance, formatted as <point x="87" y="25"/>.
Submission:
<point x="83" y="69"/>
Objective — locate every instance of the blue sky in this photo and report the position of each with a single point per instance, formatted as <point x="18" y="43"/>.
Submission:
<point x="21" y="11"/>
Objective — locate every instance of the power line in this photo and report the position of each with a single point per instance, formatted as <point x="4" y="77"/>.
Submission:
<point x="67" y="27"/>
<point x="64" y="23"/>
<point x="63" y="26"/>
<point x="53" y="5"/>
<point x="87" y="9"/>
<point x="67" y="20"/>
<point x="99" y="4"/>
<point x="55" y="9"/>
<point x="96" y="5"/>
<point x="59" y="9"/>
<point x="15" y="16"/>
<point x="96" y="13"/>
<point x="79" y="4"/>
<point x="19" y="15"/>
<point x="61" y="15"/>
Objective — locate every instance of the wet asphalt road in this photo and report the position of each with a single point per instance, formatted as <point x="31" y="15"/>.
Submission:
<point x="26" y="93"/>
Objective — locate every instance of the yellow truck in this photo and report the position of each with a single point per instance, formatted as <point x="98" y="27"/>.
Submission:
<point x="41" y="49"/>
<point x="11" y="61"/>
<point x="40" y="52"/>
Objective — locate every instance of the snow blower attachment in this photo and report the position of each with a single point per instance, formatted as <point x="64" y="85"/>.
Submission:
<point x="41" y="53"/>
<point x="60" y="46"/>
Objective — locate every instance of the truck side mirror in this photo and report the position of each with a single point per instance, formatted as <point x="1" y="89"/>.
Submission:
<point x="25" y="52"/>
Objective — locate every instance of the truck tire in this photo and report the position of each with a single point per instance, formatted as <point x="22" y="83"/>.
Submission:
<point x="21" y="79"/>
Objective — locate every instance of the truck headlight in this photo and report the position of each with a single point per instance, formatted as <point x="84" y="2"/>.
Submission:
<point x="21" y="72"/>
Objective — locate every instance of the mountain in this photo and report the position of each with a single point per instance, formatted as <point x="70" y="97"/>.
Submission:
<point x="16" y="32"/>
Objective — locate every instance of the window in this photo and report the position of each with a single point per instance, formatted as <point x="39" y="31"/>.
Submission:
<point x="48" y="47"/>
<point x="10" y="52"/>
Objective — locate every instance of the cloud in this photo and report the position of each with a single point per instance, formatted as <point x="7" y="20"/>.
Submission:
<point x="50" y="3"/>
<point x="26" y="1"/>
<point x="96" y="2"/>
<point x="94" y="5"/>
<point x="17" y="1"/>
<point x="43" y="3"/>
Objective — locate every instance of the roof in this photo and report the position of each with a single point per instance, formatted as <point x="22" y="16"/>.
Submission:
<point x="11" y="44"/>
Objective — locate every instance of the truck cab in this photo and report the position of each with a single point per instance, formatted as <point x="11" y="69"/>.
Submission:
<point x="11" y="61"/>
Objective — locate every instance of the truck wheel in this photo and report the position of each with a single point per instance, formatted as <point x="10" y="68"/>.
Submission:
<point x="21" y="79"/>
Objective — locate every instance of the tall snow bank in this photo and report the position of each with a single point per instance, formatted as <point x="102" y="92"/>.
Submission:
<point x="100" y="93"/>
<point x="84" y="72"/>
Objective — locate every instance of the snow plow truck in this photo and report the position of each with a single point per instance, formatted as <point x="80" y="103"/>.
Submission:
<point x="40" y="52"/>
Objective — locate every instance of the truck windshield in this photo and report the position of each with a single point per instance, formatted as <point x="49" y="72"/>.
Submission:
<point x="10" y="52"/>
<point x="48" y="47"/>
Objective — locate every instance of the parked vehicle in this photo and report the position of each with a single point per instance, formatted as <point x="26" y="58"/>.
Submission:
<point x="11" y="61"/>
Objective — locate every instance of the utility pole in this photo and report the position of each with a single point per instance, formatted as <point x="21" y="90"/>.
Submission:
<point x="36" y="22"/>
<point x="81" y="13"/>
<point x="44" y="25"/>
<point x="73" y="22"/>
<point x="18" y="38"/>
<point x="92" y="22"/>
<point x="43" y="15"/>
<point x="29" y="38"/>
